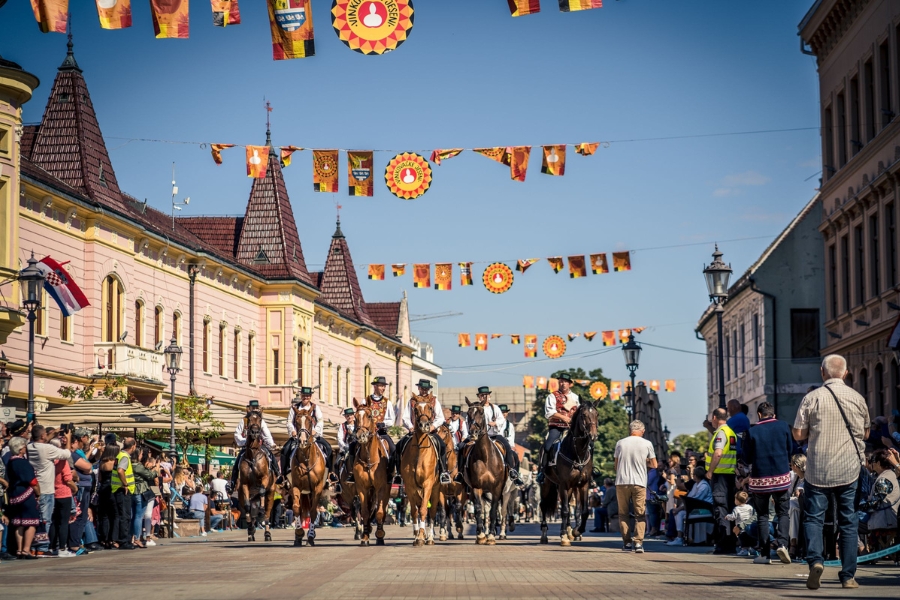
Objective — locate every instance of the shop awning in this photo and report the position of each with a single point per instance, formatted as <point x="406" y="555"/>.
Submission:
<point x="196" y="455"/>
<point x="110" y="414"/>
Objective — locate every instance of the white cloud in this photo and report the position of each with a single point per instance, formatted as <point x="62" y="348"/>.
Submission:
<point x="732" y="185"/>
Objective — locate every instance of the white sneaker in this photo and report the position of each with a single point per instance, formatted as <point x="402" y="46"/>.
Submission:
<point x="743" y="552"/>
<point x="65" y="554"/>
<point x="784" y="555"/>
<point x="676" y="542"/>
<point x="175" y="525"/>
<point x="149" y="543"/>
<point x="203" y="534"/>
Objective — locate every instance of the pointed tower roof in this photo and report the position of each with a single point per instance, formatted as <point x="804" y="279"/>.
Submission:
<point x="68" y="143"/>
<point x="339" y="284"/>
<point x="269" y="241"/>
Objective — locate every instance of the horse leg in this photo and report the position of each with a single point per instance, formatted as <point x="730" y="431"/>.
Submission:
<point x="311" y="534"/>
<point x="298" y="518"/>
<point x="380" y="510"/>
<point x="478" y="502"/>
<point x="496" y="501"/>
<point x="564" y="530"/>
<point x="270" y="501"/>
<point x="364" y="516"/>
<point x="415" y="510"/>
<point x="584" y="510"/>
<point x="547" y="505"/>
<point x="513" y="510"/>
<point x="441" y="517"/>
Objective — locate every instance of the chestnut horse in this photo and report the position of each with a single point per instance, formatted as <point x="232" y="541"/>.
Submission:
<point x="572" y="472"/>
<point x="257" y="483"/>
<point x="418" y="468"/>
<point x="307" y="477"/>
<point x="453" y="494"/>
<point x="370" y="472"/>
<point x="484" y="469"/>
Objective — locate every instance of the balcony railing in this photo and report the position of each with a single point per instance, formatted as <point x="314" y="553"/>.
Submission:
<point x="132" y="361"/>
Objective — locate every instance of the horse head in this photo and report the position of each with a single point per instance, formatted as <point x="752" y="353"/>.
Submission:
<point x="304" y="424"/>
<point x="476" y="420"/>
<point x="424" y="414"/>
<point x="584" y="422"/>
<point x="366" y="425"/>
<point x="254" y="426"/>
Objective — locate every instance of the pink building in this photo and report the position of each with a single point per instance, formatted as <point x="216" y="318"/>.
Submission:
<point x="233" y="291"/>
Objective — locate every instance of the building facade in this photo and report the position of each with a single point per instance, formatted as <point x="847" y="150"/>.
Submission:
<point x="423" y="366"/>
<point x="772" y="323"/>
<point x="234" y="292"/>
<point x="857" y="48"/>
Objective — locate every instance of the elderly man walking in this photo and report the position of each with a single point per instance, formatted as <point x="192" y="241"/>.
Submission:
<point x="834" y="418"/>
<point x="633" y="456"/>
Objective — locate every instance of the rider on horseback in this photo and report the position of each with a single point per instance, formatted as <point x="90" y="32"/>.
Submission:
<point x="558" y="409"/>
<point x="496" y="422"/>
<point x="346" y="434"/>
<point x="407" y="415"/>
<point x="305" y="404"/>
<point x="383" y="411"/>
<point x="459" y="430"/>
<point x="240" y="440"/>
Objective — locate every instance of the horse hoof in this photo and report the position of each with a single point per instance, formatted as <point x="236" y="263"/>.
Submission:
<point x="491" y="542"/>
<point x="418" y="543"/>
<point x="502" y="536"/>
<point x="311" y="541"/>
<point x="268" y="537"/>
<point x="460" y="537"/>
<point x="544" y="540"/>
<point x="363" y="543"/>
<point x="481" y="541"/>
<point x="379" y="541"/>
<point x="298" y="542"/>
<point x="442" y="538"/>
<point x="577" y="538"/>
<point x="429" y="542"/>
<point x="356" y="536"/>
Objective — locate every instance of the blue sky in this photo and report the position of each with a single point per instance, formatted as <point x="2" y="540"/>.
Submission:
<point x="472" y="76"/>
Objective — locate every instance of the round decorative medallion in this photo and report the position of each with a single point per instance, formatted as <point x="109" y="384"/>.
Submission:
<point x="497" y="278"/>
<point x="554" y="346"/>
<point x="599" y="390"/>
<point x="408" y="175"/>
<point x="372" y="26"/>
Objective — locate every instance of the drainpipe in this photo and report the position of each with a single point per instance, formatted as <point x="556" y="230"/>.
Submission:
<point x="774" y="343"/>
<point x="193" y="270"/>
<point x="397" y="355"/>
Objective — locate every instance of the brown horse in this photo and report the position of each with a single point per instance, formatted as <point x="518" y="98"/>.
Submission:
<point x="370" y="471"/>
<point x="307" y="477"/>
<point x="257" y="483"/>
<point x="484" y="469"/>
<point x="453" y="494"/>
<point x="572" y="472"/>
<point x="418" y="468"/>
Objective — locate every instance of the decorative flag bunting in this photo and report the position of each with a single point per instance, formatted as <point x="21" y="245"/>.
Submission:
<point x="576" y="267"/>
<point x="542" y="383"/>
<point x="528" y="381"/>
<point x="495" y="336"/>
<point x="443" y="276"/>
<point x="499" y="154"/>
<point x="481" y="342"/>
<point x="599" y="390"/>
<point x="670" y="385"/>
<point x="225" y="12"/>
<point x="599" y="265"/>
<point x="621" y="261"/>
<point x="408" y="175"/>
<point x="518" y="162"/>
<point x="586" y="149"/>
<point x="464" y="341"/>
<point x="360" y="180"/>
<point x="257" y="161"/>
<point x="422" y="275"/>
<point x="286" y="152"/>
<point x="398" y="269"/>
<point x="217" y="151"/>
<point x="654" y="385"/>
<point x="291" y="23"/>
<point x="572" y="336"/>
<point x="638" y="329"/>
<point x="523" y="263"/>
<point x="514" y="339"/>
<point x="554" y="346"/>
<point x="440" y="155"/>
<point x="61" y="287"/>
<point x="376" y="272"/>
<point x="374" y="26"/>
<point x="553" y="384"/>
<point x="114" y="14"/>
<point x="171" y="18"/>
<point x="556" y="262"/>
<point x="465" y="273"/>
<point x="325" y="172"/>
<point x="520" y="8"/>
<point x="497" y="278"/>
<point x="582" y="381"/>
<point x="530" y="346"/>
<point x="554" y="160"/>
<point x="615" y="390"/>
<point x="589" y="335"/>
<point x="624" y="334"/>
<point x="573" y="5"/>
<point x="51" y="15"/>
<point x="609" y="338"/>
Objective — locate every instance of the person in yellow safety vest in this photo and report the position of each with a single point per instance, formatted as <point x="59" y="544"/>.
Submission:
<point x="721" y="460"/>
<point x="122" y="491"/>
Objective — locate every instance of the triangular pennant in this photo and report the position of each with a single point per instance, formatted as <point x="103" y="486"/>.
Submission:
<point x="589" y="335"/>
<point x="440" y="155"/>
<point x="523" y="263"/>
<point x="586" y="149"/>
<point x="556" y="262"/>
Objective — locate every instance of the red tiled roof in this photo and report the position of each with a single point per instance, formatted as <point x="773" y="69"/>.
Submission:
<point x="386" y="316"/>
<point x="339" y="284"/>
<point x="219" y="232"/>
<point x="27" y="143"/>
<point x="317" y="278"/>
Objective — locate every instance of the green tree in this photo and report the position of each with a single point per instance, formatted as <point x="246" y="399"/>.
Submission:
<point x="699" y="442"/>
<point x="193" y="409"/>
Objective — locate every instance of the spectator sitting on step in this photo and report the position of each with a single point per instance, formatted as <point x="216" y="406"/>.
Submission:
<point x="744" y="517"/>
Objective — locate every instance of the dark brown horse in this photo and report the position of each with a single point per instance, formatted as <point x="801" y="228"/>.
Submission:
<point x="484" y="469"/>
<point x="453" y="494"/>
<point x="257" y="484"/>
<point x="572" y="472"/>
<point x="418" y="468"/>
<point x="370" y="472"/>
<point x="307" y="477"/>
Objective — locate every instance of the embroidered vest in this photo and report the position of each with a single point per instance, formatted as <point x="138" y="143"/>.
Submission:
<point x="378" y="408"/>
<point x="561" y="400"/>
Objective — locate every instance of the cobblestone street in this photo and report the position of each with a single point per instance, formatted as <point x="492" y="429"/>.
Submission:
<point x="225" y="566"/>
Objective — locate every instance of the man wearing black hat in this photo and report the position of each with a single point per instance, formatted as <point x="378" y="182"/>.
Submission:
<point x="305" y="404"/>
<point x="240" y="440"/>
<point x="509" y="429"/>
<point x="457" y="426"/>
<point x="558" y="409"/>
<point x="383" y="412"/>
<point x="346" y="433"/>
<point x="407" y="413"/>
<point x="496" y="422"/>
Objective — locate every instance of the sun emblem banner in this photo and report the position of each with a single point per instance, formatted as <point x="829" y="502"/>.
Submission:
<point x="408" y="175"/>
<point x="360" y="181"/>
<point x="599" y="266"/>
<point x="554" y="346"/>
<point x="372" y="26"/>
<point x="51" y="15"/>
<point x="422" y="275"/>
<point x="443" y="276"/>
<point x="465" y="273"/>
<point x="170" y="18"/>
<point x="530" y="346"/>
<point x="257" y="161"/>
<point x="573" y="5"/>
<point x="497" y="278"/>
<point x="114" y="14"/>
<point x="325" y="171"/>
<point x="599" y="390"/>
<point x="225" y="12"/>
<point x="291" y="23"/>
<point x="554" y="162"/>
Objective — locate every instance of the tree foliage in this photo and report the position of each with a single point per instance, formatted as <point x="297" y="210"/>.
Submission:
<point x="194" y="409"/>
<point x="699" y="442"/>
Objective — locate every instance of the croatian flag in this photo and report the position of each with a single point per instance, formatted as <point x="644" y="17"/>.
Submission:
<point x="62" y="287"/>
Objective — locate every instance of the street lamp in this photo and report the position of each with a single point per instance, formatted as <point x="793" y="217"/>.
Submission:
<point x="33" y="278"/>
<point x="5" y="381"/>
<point x="717" y="274"/>
<point x="632" y="352"/>
<point x="666" y="432"/>
<point x="173" y="357"/>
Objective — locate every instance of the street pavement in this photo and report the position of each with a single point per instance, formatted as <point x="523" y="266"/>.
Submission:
<point x="225" y="566"/>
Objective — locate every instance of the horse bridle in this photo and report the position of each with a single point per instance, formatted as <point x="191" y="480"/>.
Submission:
<point x="369" y="465"/>
<point x="592" y="438"/>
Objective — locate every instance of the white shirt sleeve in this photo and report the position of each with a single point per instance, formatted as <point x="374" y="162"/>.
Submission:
<point x="389" y="416"/>
<point x="342" y="445"/>
<point x="438" y="414"/>
<point x="496" y="416"/>
<point x="290" y="422"/>
<point x="320" y="422"/>
<point x="239" y="438"/>
<point x="406" y="414"/>
<point x="510" y="433"/>
<point x="464" y="427"/>
<point x="550" y="406"/>
<point x="267" y="435"/>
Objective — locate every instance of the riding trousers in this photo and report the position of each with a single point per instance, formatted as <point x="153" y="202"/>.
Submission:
<point x="288" y="450"/>
<point x="235" y="470"/>
<point x="439" y="444"/>
<point x="512" y="459"/>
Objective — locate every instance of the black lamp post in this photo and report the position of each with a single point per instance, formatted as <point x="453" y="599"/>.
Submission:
<point x="632" y="352"/>
<point x="173" y="357"/>
<point x="666" y="432"/>
<point x="33" y="280"/>
<point x="717" y="274"/>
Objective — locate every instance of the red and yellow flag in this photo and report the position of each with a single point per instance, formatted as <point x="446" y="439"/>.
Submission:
<point x="576" y="267"/>
<point x="638" y="329"/>
<point x="609" y="338"/>
<point x="225" y="12"/>
<point x="514" y="339"/>
<point x="495" y="336"/>
<point x="621" y="261"/>
<point x="624" y="334"/>
<point x="519" y="8"/>
<point x="376" y="272"/>
<point x="518" y="162"/>
<point x="257" y="161"/>
<point x="528" y="381"/>
<point x="553" y="384"/>
<point x="51" y="15"/>
<point x="542" y="383"/>
<point x="286" y="152"/>
<point x="117" y="16"/>
<point x="556" y="262"/>
<point x="439" y="155"/>
<point x="499" y="154"/>
<point x="464" y="340"/>
<point x="291" y="23"/>
<point x="530" y="346"/>
<point x="217" y="151"/>
<point x="443" y="276"/>
<point x="422" y="275"/>
<point x="654" y="385"/>
<point x="586" y="149"/>
<point x="360" y="178"/>
<point x="465" y="273"/>
<point x="670" y="385"/>
<point x="398" y="269"/>
<point x="615" y="390"/>
<point x="589" y="335"/>
<point x="523" y="263"/>
<point x="572" y="336"/>
<point x="481" y="342"/>
<point x="554" y="162"/>
<point x="171" y="18"/>
<point x="573" y="5"/>
<point x="325" y="171"/>
<point x="599" y="264"/>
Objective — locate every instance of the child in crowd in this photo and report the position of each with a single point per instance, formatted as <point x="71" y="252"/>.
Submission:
<point x="744" y="518"/>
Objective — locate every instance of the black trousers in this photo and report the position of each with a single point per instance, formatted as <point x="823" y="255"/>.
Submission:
<point x="59" y="526"/>
<point x="782" y="517"/>
<point x="512" y="459"/>
<point x="106" y="514"/>
<point x="122" y="526"/>
<point x="723" y="485"/>
<point x="392" y="449"/>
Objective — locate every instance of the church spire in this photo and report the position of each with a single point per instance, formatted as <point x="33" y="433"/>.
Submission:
<point x="69" y="63"/>
<point x="337" y="232"/>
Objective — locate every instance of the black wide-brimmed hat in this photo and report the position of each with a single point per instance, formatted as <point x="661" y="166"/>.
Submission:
<point x="484" y="390"/>
<point x="379" y="381"/>
<point x="17" y="427"/>
<point x="565" y="377"/>
<point x="504" y="408"/>
<point x="348" y="412"/>
<point x="253" y="404"/>
<point x="424" y="384"/>
<point x="306" y="391"/>
<point x="455" y="409"/>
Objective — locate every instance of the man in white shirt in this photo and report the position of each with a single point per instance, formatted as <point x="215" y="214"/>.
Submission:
<point x="240" y="440"/>
<point x="496" y="422"/>
<point x="346" y="431"/>
<point x="218" y="487"/>
<point x="383" y="411"/>
<point x="633" y="456"/>
<point x="407" y="413"/>
<point x="457" y="425"/>
<point x="305" y="404"/>
<point x="559" y="408"/>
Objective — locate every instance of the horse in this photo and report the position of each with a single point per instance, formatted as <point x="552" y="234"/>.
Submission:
<point x="307" y="477"/>
<point x="484" y="470"/>
<point x="453" y="494"/>
<point x="573" y="472"/>
<point x="370" y="470"/>
<point x="257" y="484"/>
<point x="418" y="468"/>
<point x="532" y="497"/>
<point x="509" y="509"/>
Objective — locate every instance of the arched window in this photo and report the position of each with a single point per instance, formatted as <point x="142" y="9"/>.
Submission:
<point x="367" y="379"/>
<point x="337" y="389"/>
<point x="321" y="381"/>
<point x="299" y="363"/>
<point x="113" y="316"/>
<point x="176" y="327"/>
<point x="348" y="397"/>
<point x="138" y="323"/>
<point x="330" y="385"/>
<point x="236" y="370"/>
<point x="206" y="349"/>
<point x="223" y="344"/>
<point x="158" y="324"/>
<point x="879" y="389"/>
<point x="863" y="385"/>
